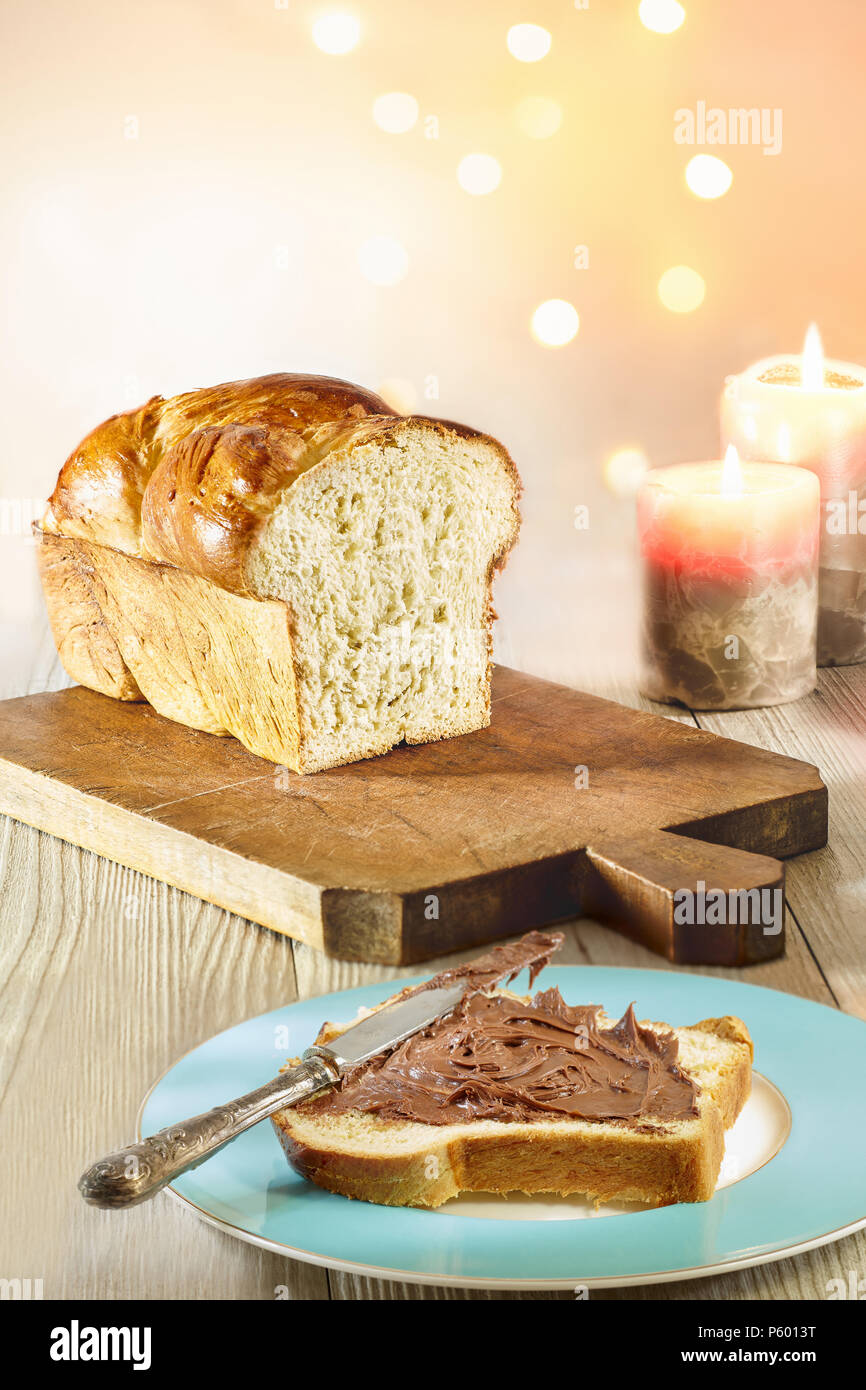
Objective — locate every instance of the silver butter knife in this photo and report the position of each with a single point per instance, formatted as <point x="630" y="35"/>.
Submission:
<point x="134" y="1174"/>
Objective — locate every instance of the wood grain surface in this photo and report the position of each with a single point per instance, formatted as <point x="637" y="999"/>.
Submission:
<point x="566" y="804"/>
<point x="107" y="976"/>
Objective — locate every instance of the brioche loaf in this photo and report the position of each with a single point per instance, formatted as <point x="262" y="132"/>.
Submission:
<point x="658" y="1161"/>
<point x="286" y="560"/>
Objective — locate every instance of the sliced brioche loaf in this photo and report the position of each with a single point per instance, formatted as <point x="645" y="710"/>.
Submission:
<point x="286" y="560"/>
<point x="404" y="1163"/>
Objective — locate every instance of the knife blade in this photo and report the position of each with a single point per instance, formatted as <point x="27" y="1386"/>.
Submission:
<point x="386" y="1028"/>
<point x="136" y="1173"/>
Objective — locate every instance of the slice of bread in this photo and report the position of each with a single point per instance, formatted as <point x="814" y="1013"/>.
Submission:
<point x="404" y="1163"/>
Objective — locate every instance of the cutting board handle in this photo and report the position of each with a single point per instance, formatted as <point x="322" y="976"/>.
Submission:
<point x="693" y="902"/>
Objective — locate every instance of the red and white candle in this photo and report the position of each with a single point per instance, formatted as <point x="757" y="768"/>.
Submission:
<point x="810" y="411"/>
<point x="730" y="562"/>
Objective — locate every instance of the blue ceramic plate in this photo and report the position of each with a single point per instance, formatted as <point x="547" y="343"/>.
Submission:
<point x="794" y="1167"/>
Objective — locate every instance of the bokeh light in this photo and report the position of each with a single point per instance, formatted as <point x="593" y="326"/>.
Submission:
<point x="624" y="471"/>
<point x="555" y="323"/>
<point x="383" y="260"/>
<point x="681" y="289"/>
<point x="708" y="176"/>
<point x="399" y="394"/>
<point x="528" y="42"/>
<point x="395" y="112"/>
<point x="337" y="33"/>
<point x="662" y="16"/>
<point x="538" y="117"/>
<point x="479" y="173"/>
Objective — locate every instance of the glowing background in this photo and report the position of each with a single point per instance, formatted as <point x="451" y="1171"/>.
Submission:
<point x="231" y="237"/>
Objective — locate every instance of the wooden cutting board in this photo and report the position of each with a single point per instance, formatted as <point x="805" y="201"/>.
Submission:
<point x="567" y="804"/>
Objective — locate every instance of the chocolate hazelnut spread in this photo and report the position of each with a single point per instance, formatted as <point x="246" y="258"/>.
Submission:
<point x="532" y="951"/>
<point x="497" y="1057"/>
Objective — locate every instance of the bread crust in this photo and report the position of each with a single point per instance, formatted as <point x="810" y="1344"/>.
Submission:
<point x="102" y="488"/>
<point x="202" y="656"/>
<point x="190" y="481"/>
<point x="403" y="1163"/>
<point x="606" y="1165"/>
<point x="74" y="598"/>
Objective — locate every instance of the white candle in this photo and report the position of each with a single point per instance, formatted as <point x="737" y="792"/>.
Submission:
<point x="812" y="412"/>
<point x="730" y="560"/>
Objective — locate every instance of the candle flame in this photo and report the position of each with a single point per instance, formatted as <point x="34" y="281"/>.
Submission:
<point x="732" y="474"/>
<point x="812" y="362"/>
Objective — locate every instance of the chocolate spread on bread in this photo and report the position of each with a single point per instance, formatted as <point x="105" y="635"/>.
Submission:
<point x="532" y="952"/>
<point x="496" y="1057"/>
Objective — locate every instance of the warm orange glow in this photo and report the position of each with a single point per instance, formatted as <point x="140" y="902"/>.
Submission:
<point x="732" y="474"/>
<point x="624" y="471"/>
<point x="399" y="393"/>
<point x="395" y="112"/>
<point x="681" y="289"/>
<point x="662" y="16"/>
<point x="708" y="176"/>
<point x="479" y="174"/>
<point x="528" y="43"/>
<point x="812" y="361"/>
<point x="555" y="323"/>
<point x="337" y="33"/>
<point x="538" y="117"/>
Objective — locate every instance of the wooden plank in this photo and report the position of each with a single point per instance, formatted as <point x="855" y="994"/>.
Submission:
<point x="567" y="800"/>
<point x="106" y="977"/>
<point x="826" y="890"/>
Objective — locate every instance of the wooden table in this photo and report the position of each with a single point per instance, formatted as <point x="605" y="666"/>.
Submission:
<point x="106" y="977"/>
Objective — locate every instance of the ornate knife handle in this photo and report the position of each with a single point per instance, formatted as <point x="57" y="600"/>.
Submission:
<point x="134" y="1174"/>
